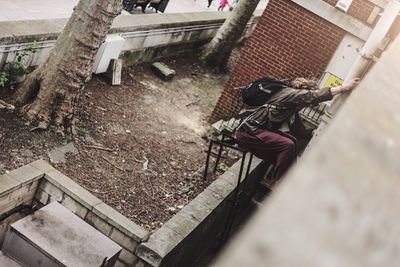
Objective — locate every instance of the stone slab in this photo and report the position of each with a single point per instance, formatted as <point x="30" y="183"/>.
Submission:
<point x="8" y="183"/>
<point x="163" y="71"/>
<point x="57" y="155"/>
<point x="56" y="232"/>
<point x="26" y="174"/>
<point x="158" y="246"/>
<point x="42" y="165"/>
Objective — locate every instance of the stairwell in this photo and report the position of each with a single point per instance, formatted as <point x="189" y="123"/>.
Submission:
<point x="54" y="237"/>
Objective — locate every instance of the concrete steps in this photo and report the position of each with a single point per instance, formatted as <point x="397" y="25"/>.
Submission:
<point x="54" y="236"/>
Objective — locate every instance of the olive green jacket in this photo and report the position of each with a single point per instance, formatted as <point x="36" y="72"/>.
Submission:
<point x="283" y="108"/>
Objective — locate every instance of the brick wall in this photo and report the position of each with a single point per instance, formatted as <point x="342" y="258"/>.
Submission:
<point x="359" y="9"/>
<point x="288" y="41"/>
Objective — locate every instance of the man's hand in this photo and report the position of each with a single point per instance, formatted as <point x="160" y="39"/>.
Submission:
<point x="350" y="85"/>
<point x="347" y="87"/>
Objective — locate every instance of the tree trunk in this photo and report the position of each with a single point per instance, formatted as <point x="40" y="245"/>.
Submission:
<point x="217" y="51"/>
<point x="49" y="95"/>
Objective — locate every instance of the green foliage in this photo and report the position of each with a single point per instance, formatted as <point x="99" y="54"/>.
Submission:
<point x="222" y="167"/>
<point x="188" y="187"/>
<point x="3" y="78"/>
<point x="13" y="71"/>
<point x="81" y="130"/>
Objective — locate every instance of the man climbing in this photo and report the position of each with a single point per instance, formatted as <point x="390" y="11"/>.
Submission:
<point x="262" y="132"/>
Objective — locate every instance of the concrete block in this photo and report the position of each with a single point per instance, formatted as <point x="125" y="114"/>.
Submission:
<point x="34" y="185"/>
<point x="54" y="192"/>
<point x="42" y="165"/>
<point x="218" y="126"/>
<point x="53" y="236"/>
<point x="27" y="198"/>
<point x="158" y="246"/>
<point x="120" y="222"/>
<point x="6" y="204"/>
<point x="41" y="196"/>
<point x="4" y="199"/>
<point x="22" y="195"/>
<point x="162" y="71"/>
<point x="182" y="223"/>
<point x="72" y="189"/>
<point x="98" y="223"/>
<point x="209" y="198"/>
<point x="127" y="257"/>
<point x="123" y="240"/>
<point x="26" y="174"/>
<point x="74" y="206"/>
<point x="221" y="187"/>
<point x="196" y="210"/>
<point x="7" y="184"/>
<point x="114" y="71"/>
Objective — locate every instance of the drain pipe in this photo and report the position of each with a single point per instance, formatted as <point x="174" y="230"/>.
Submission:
<point x="367" y="52"/>
<point x="365" y="56"/>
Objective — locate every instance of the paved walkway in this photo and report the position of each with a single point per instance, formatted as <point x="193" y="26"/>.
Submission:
<point x="11" y="10"/>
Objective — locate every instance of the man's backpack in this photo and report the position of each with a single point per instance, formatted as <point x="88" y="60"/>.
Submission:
<point x="260" y="91"/>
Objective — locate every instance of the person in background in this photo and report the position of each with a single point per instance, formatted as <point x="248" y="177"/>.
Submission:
<point x="222" y="5"/>
<point x="209" y="3"/>
<point x="263" y="132"/>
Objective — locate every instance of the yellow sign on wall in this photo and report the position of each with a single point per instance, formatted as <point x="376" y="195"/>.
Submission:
<point x="330" y="80"/>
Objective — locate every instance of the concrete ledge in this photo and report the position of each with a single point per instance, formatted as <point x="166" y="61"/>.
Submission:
<point x="192" y="231"/>
<point x="120" y="222"/>
<point x="146" y="36"/>
<point x="40" y="30"/>
<point x="26" y="174"/>
<point x="41" y="184"/>
<point x="74" y="190"/>
<point x="29" y="30"/>
<point x="17" y="188"/>
<point x="7" y="184"/>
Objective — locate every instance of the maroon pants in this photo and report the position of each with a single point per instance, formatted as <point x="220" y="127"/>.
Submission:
<point x="272" y="147"/>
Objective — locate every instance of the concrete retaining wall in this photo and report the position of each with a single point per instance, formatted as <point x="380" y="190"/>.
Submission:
<point x="55" y="186"/>
<point x="197" y="228"/>
<point x="146" y="36"/>
<point x="39" y="184"/>
<point x="16" y="188"/>
<point x="179" y="242"/>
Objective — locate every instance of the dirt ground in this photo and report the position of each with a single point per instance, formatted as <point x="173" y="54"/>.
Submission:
<point x="138" y="146"/>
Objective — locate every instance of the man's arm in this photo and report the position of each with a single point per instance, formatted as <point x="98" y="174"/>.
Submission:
<point x="346" y="87"/>
<point x="302" y="97"/>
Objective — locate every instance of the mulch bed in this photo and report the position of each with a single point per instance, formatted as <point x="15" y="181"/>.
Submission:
<point x="141" y="145"/>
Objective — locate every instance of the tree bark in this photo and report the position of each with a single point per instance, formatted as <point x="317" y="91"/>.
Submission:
<point x="216" y="53"/>
<point x="50" y="93"/>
